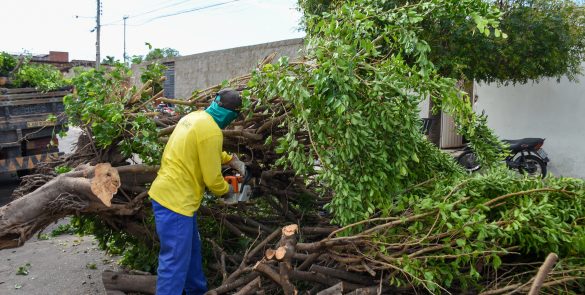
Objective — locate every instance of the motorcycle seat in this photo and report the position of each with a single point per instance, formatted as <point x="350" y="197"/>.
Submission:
<point x="524" y="143"/>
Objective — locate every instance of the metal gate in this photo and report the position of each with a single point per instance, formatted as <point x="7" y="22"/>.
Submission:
<point x="449" y="136"/>
<point x="169" y="84"/>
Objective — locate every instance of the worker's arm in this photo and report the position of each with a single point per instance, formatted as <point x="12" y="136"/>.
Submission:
<point x="225" y="158"/>
<point x="210" y="159"/>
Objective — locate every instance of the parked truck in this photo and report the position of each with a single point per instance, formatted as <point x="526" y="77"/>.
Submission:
<point x="27" y="137"/>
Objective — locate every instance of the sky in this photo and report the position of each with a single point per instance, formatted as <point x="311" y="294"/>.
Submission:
<point x="38" y="26"/>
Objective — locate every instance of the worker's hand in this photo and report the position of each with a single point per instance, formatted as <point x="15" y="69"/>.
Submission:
<point x="237" y="165"/>
<point x="230" y="198"/>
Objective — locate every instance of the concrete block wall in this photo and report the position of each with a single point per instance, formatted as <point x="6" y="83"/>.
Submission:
<point x="199" y="71"/>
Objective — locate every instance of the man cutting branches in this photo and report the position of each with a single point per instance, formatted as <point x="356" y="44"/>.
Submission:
<point x="191" y="162"/>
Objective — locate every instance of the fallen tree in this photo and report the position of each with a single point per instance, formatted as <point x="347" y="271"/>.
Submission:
<point x="349" y="196"/>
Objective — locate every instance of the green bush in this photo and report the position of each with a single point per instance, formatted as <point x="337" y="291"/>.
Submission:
<point x="7" y="64"/>
<point x="40" y="76"/>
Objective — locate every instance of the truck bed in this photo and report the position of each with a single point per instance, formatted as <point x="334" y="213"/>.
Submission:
<point x="25" y="133"/>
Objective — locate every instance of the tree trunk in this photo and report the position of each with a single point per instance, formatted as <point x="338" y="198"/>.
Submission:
<point x="86" y="190"/>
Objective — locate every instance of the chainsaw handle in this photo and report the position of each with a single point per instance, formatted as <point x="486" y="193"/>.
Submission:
<point x="233" y="181"/>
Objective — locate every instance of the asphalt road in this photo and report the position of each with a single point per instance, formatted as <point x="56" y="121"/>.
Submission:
<point x="65" y="264"/>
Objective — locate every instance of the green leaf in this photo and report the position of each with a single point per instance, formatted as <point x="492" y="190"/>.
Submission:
<point x="460" y="242"/>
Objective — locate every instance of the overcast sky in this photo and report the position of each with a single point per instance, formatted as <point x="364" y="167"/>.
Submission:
<point x="40" y="26"/>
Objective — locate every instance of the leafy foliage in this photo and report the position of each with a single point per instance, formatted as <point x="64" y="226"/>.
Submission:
<point x="542" y="38"/>
<point x="41" y="76"/>
<point x="135" y="254"/>
<point x="63" y="229"/>
<point x="99" y="105"/>
<point x="155" y="54"/>
<point x="357" y="100"/>
<point x="545" y="38"/>
<point x="110" y="61"/>
<point x="62" y="169"/>
<point x="23" y="270"/>
<point x="530" y="216"/>
<point x="154" y="72"/>
<point x="99" y="102"/>
<point x="7" y="64"/>
<point x="368" y="64"/>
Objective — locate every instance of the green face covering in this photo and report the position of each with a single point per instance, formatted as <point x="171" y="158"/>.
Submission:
<point x="220" y="115"/>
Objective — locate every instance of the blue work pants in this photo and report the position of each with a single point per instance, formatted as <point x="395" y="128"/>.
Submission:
<point x="179" y="261"/>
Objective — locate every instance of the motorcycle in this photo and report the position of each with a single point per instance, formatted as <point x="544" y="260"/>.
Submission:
<point x="165" y="110"/>
<point x="525" y="155"/>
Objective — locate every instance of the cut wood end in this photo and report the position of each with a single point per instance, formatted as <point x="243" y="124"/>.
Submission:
<point x="105" y="183"/>
<point x="280" y="253"/>
<point x="269" y="254"/>
<point x="290" y="230"/>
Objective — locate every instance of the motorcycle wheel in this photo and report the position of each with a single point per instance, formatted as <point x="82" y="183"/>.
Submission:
<point x="468" y="160"/>
<point x="533" y="166"/>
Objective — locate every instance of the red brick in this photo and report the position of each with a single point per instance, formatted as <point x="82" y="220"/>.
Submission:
<point x="58" y="56"/>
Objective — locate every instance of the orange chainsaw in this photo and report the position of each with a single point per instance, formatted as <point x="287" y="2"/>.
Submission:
<point x="242" y="191"/>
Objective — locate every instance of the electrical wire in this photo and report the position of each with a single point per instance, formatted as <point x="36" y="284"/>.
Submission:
<point x="119" y="22"/>
<point x="157" y="9"/>
<point x="186" y="11"/>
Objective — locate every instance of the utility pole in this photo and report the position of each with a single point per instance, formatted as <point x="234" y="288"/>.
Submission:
<point x="125" y="18"/>
<point x="97" y="43"/>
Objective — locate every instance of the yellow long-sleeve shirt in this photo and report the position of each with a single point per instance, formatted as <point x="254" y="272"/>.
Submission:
<point x="191" y="162"/>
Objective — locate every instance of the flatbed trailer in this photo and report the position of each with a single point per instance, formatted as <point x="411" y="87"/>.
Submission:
<point x="25" y="133"/>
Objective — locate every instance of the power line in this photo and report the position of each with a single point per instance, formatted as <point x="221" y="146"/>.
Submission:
<point x="157" y="9"/>
<point x="186" y="11"/>
<point x="109" y="23"/>
<point x="119" y="22"/>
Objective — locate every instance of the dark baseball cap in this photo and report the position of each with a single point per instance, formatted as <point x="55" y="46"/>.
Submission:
<point x="230" y="99"/>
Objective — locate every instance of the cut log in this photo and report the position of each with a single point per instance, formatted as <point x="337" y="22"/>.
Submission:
<point x="280" y="253"/>
<point x="105" y="183"/>
<point x="290" y="230"/>
<point x="123" y="282"/>
<point x="269" y="254"/>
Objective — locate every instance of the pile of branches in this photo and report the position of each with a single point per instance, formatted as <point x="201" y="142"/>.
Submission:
<point x="418" y="223"/>
<point x="291" y="242"/>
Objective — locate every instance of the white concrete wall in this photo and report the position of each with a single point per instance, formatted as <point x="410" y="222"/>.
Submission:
<point x="555" y="111"/>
